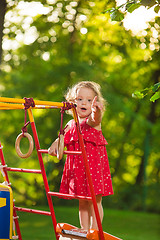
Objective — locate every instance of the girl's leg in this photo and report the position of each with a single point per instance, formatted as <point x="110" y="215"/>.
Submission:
<point x="84" y="214"/>
<point x="93" y="219"/>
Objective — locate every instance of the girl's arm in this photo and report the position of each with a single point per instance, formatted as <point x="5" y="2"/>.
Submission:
<point x="95" y="118"/>
<point x="52" y="150"/>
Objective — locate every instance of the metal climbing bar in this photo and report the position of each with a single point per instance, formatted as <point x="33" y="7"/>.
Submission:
<point x="65" y="152"/>
<point x="33" y="211"/>
<point x="23" y="170"/>
<point x="69" y="196"/>
<point x="15" y="103"/>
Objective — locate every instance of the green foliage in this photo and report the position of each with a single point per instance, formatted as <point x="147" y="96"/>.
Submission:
<point x="74" y="42"/>
<point x="149" y="3"/>
<point x="153" y="89"/>
<point x="117" y="15"/>
<point x="131" y="7"/>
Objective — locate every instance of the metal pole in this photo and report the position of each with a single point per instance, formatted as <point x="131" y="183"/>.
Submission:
<point x="81" y="142"/>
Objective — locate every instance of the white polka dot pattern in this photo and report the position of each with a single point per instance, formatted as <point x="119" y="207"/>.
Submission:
<point x="74" y="179"/>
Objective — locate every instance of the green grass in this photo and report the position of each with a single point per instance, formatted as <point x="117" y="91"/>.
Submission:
<point x="124" y="224"/>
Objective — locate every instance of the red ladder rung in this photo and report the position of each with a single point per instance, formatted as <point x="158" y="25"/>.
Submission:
<point x="65" y="152"/>
<point x="32" y="211"/>
<point x="69" y="196"/>
<point x="23" y="170"/>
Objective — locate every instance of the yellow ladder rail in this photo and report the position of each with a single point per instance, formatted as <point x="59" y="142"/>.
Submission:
<point x="16" y="103"/>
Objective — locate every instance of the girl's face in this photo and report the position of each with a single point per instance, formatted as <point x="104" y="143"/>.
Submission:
<point x="84" y="100"/>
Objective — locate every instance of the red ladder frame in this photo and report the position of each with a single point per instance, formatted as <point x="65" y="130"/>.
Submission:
<point x="49" y="194"/>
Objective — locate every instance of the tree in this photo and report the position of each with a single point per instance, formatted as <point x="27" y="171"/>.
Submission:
<point x="3" y="5"/>
<point x="73" y="42"/>
<point x="118" y="13"/>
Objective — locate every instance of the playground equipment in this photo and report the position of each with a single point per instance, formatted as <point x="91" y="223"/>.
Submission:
<point x="62" y="230"/>
<point x="6" y="210"/>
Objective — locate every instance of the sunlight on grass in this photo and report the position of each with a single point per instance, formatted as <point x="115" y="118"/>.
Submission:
<point x="124" y="224"/>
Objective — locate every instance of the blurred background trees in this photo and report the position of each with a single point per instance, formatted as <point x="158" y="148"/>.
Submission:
<point x="48" y="45"/>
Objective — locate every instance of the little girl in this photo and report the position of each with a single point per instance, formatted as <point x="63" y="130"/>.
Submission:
<point x="90" y="107"/>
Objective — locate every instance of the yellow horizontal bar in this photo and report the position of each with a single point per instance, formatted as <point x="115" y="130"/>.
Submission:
<point x="48" y="103"/>
<point x="11" y="106"/>
<point x="37" y="102"/>
<point x="11" y="100"/>
<point x="4" y="108"/>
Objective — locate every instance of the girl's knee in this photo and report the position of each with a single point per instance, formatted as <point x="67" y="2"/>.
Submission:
<point x="83" y="204"/>
<point x="99" y="198"/>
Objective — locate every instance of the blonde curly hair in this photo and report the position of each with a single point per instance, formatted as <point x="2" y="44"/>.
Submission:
<point x="71" y="94"/>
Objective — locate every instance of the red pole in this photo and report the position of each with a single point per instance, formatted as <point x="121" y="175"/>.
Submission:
<point x="81" y="142"/>
<point x="32" y="211"/>
<point x="3" y="163"/>
<point x="7" y="179"/>
<point x="44" y="177"/>
<point x="23" y="170"/>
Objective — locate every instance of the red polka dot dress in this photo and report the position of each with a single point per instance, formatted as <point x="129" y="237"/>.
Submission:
<point x="74" y="179"/>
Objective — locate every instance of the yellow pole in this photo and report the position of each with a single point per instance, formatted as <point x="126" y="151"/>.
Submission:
<point x="37" y="102"/>
<point x="30" y="114"/>
<point x="11" y="106"/>
<point x="8" y="106"/>
<point x="11" y="100"/>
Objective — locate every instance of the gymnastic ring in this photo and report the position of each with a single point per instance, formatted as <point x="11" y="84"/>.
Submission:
<point x="17" y="145"/>
<point x="60" y="146"/>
